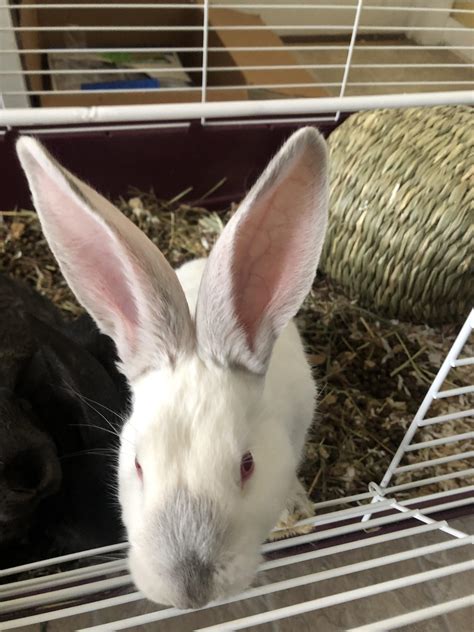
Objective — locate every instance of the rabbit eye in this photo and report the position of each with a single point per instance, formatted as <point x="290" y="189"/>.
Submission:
<point x="138" y="467"/>
<point x="246" y="467"/>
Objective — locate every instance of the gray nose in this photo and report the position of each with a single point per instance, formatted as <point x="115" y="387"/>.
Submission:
<point x="196" y="581"/>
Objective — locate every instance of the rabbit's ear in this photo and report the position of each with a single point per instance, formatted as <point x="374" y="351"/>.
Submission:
<point x="115" y="271"/>
<point x="263" y="264"/>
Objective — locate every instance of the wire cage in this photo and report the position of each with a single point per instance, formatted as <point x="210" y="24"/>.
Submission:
<point x="228" y="59"/>
<point x="243" y="74"/>
<point x="390" y="531"/>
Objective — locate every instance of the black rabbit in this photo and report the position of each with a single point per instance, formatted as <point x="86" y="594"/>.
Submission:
<point x="62" y="400"/>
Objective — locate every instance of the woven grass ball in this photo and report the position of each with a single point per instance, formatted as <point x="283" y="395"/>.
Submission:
<point x="401" y="224"/>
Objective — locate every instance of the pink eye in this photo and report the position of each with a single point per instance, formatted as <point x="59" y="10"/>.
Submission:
<point x="246" y="467"/>
<point x="138" y="467"/>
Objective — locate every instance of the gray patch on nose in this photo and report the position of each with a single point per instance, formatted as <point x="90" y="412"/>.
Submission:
<point x="196" y="577"/>
<point x="191" y="534"/>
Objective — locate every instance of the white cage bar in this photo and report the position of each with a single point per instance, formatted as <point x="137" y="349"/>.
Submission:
<point x="226" y="109"/>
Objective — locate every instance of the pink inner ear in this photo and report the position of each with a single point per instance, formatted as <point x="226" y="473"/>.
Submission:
<point x="272" y="245"/>
<point x="92" y="256"/>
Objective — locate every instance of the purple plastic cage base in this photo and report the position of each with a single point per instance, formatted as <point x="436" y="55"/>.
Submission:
<point x="167" y="160"/>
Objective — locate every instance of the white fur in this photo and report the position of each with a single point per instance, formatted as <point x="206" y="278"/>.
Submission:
<point x="206" y="389"/>
<point x="189" y="428"/>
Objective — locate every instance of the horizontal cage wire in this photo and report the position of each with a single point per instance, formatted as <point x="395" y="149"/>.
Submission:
<point x="264" y="58"/>
<point x="383" y="532"/>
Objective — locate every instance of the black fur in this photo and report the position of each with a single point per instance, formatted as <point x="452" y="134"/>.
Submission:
<point x="62" y="402"/>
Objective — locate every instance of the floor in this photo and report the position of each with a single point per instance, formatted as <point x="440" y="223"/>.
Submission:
<point x="331" y="619"/>
<point x="394" y="55"/>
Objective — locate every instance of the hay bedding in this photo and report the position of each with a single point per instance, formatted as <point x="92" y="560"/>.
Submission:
<point x="372" y="372"/>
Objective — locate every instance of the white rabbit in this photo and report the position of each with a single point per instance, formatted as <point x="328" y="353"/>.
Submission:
<point x="222" y="399"/>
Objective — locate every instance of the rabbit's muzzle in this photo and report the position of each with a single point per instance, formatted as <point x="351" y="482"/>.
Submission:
<point x="25" y="479"/>
<point x="31" y="473"/>
<point x="29" y="466"/>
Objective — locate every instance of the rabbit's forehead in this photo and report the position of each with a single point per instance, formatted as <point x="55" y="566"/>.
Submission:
<point x="191" y="406"/>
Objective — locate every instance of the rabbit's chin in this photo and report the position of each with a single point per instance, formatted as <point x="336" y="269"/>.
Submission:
<point x="229" y="578"/>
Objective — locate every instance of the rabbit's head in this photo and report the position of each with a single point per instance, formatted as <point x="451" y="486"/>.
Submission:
<point x="206" y="458"/>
